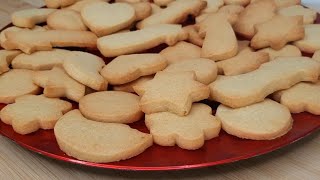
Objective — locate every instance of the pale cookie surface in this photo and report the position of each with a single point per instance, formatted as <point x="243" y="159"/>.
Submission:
<point x="301" y="97"/>
<point x="205" y="69"/>
<point x="32" y="41"/>
<point x="66" y="20"/>
<point x="30" y="113"/>
<point x="309" y="15"/>
<point x="220" y="41"/>
<point x="162" y="2"/>
<point x="59" y="3"/>
<point x="30" y="17"/>
<point x="243" y="44"/>
<point x="128" y="87"/>
<point x="111" y="106"/>
<point x="57" y="83"/>
<point x="140" y="40"/>
<point x="85" y="68"/>
<point x="283" y="3"/>
<point x="245" y="89"/>
<point x="188" y="132"/>
<point x="286" y="51"/>
<point x="40" y="60"/>
<point x="142" y="10"/>
<point x="6" y="58"/>
<point x="311" y="41"/>
<point x="193" y="35"/>
<point x="172" y="92"/>
<point x="180" y="52"/>
<point x="253" y="14"/>
<point x="265" y="120"/>
<point x="15" y="83"/>
<point x="79" y="5"/>
<point x="246" y="61"/>
<point x="288" y="29"/>
<point x="3" y="37"/>
<point x="98" y="142"/>
<point x="212" y="6"/>
<point x="103" y="18"/>
<point x="316" y="55"/>
<point x="237" y="2"/>
<point x="175" y="13"/>
<point x="127" y="68"/>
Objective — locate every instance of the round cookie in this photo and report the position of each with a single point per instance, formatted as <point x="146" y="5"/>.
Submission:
<point x="15" y="83"/>
<point x="262" y="121"/>
<point x="111" y="106"/>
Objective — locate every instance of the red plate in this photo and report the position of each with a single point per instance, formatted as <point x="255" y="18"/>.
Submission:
<point x="220" y="150"/>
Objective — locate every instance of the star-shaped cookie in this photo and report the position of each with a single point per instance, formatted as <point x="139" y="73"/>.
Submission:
<point x="173" y="92"/>
<point x="30" y="113"/>
<point x="57" y="83"/>
<point x="277" y="32"/>
<point x="188" y="132"/>
<point x="6" y="58"/>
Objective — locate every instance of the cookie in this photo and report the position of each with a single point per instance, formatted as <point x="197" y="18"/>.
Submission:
<point x="288" y="29"/>
<point x="301" y="97"/>
<point x="311" y="42"/>
<point x="237" y="2"/>
<point x="128" y="87"/>
<point x="111" y="106"/>
<point x="245" y="61"/>
<point x="286" y="51"/>
<point x="6" y="58"/>
<point x="40" y="60"/>
<point x="30" y="113"/>
<point x="85" y="67"/>
<point x="140" y="40"/>
<point x="59" y="3"/>
<point x="98" y="142"/>
<point x="103" y="18"/>
<point x="32" y="41"/>
<point x="212" y="6"/>
<point x="172" y="92"/>
<point x="230" y="14"/>
<point x="3" y="37"/>
<point x="316" y="55"/>
<point x="142" y="10"/>
<point x="79" y="5"/>
<point x="283" y="3"/>
<point x="127" y="68"/>
<point x="243" y="44"/>
<point x="175" y="13"/>
<point x="155" y="8"/>
<point x="193" y="35"/>
<point x="246" y="89"/>
<point x="178" y="53"/>
<point x="28" y="18"/>
<point x="188" y="132"/>
<point x="162" y="2"/>
<point x="57" y="83"/>
<point x="217" y="31"/>
<point x="253" y="14"/>
<point x="309" y="15"/>
<point x="17" y="82"/>
<point x="66" y="20"/>
<point x="265" y="120"/>
<point x="205" y="69"/>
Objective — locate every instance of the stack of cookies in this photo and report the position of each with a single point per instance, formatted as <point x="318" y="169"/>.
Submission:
<point x="244" y="54"/>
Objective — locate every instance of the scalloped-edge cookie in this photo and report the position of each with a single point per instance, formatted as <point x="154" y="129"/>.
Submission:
<point x="15" y="83"/>
<point x="127" y="68"/>
<point x="245" y="89"/>
<point x="265" y="120"/>
<point x="111" y="106"/>
<point x="178" y="53"/>
<point x="188" y="132"/>
<point x="28" y="18"/>
<point x="171" y="91"/>
<point x="31" y="112"/>
<point x="85" y="68"/>
<point x="301" y="97"/>
<point x="6" y="58"/>
<point x="140" y="40"/>
<point x="98" y="142"/>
